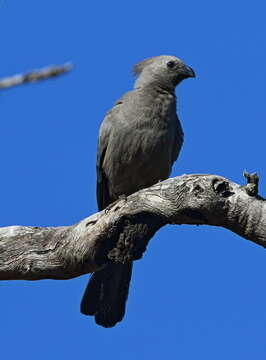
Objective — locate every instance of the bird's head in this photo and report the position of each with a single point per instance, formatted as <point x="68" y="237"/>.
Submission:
<point x="164" y="70"/>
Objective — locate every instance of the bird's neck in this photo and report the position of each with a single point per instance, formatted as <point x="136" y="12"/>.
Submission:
<point x="155" y="86"/>
<point x="146" y="83"/>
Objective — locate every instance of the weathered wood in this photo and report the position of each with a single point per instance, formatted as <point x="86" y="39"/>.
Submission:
<point x="35" y="75"/>
<point x="122" y="232"/>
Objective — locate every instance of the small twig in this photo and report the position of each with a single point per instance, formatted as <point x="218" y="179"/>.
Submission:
<point x="35" y="75"/>
<point x="252" y="187"/>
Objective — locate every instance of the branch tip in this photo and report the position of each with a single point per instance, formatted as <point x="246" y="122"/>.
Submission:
<point x="252" y="187"/>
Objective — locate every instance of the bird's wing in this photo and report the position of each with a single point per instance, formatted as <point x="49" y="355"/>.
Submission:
<point x="103" y="195"/>
<point x="178" y="140"/>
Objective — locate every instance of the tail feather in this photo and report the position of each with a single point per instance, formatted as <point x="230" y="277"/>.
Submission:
<point x="106" y="294"/>
<point x="90" y="300"/>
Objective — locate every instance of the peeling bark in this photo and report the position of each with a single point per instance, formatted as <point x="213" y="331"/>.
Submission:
<point x="121" y="232"/>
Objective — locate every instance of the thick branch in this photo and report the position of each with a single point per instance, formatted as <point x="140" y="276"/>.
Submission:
<point x="121" y="233"/>
<point x="35" y="75"/>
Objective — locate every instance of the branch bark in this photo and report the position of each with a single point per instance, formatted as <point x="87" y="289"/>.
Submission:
<point x="122" y="232"/>
<point x="35" y="75"/>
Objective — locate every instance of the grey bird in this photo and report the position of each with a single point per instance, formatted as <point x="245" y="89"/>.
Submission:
<point x="139" y="140"/>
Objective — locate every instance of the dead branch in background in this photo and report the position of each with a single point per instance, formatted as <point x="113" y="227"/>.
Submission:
<point x="35" y="75"/>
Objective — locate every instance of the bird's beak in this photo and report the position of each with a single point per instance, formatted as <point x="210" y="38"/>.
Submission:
<point x="187" y="71"/>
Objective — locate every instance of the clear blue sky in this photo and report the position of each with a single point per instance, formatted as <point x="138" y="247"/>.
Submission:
<point x="199" y="292"/>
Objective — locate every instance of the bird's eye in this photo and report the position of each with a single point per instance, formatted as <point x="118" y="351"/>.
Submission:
<point x="170" y="64"/>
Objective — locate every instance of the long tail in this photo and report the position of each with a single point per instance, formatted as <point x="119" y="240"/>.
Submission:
<point x="106" y="294"/>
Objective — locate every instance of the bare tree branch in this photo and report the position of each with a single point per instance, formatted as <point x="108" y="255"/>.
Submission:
<point x="122" y="232"/>
<point x="35" y="75"/>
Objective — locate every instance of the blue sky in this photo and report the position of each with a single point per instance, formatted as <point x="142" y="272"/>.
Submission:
<point x="199" y="292"/>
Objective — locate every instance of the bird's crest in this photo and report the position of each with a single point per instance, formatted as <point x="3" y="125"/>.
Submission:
<point x="137" y="69"/>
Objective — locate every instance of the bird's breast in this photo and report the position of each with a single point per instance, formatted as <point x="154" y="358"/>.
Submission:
<point x="141" y="151"/>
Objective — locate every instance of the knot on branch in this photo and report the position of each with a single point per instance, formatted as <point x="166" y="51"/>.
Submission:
<point x="222" y="187"/>
<point x="135" y="233"/>
<point x="252" y="187"/>
<point x="198" y="199"/>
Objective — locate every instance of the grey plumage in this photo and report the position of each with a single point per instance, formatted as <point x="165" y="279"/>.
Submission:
<point x="139" y="140"/>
